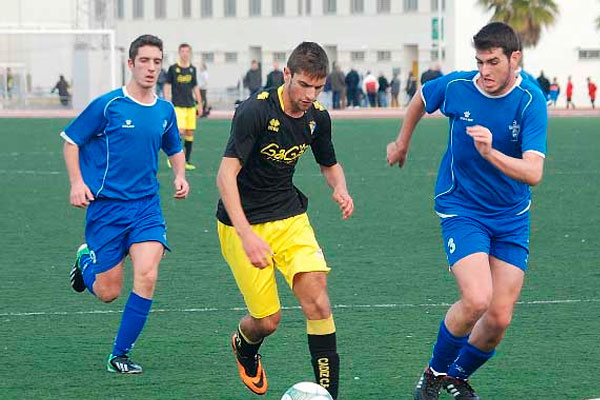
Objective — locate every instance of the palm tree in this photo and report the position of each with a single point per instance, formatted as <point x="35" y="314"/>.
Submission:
<point x="527" y="17"/>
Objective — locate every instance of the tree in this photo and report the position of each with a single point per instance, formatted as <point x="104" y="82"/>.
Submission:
<point x="527" y="17"/>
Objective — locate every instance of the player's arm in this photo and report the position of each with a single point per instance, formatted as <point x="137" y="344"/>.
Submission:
<point x="528" y="169"/>
<point x="182" y="187"/>
<point x="335" y="178"/>
<point x="258" y="251"/>
<point x="80" y="195"/>
<point x="398" y="149"/>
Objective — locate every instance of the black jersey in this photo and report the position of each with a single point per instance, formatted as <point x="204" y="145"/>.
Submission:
<point x="268" y="143"/>
<point x="182" y="81"/>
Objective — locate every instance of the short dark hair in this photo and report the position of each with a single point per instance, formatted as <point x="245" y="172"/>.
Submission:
<point x="144" y="40"/>
<point x="309" y="58"/>
<point x="497" y="34"/>
<point x="182" y="45"/>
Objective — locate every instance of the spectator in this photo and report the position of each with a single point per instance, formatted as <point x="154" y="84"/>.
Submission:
<point x="63" y="90"/>
<point x="395" y="90"/>
<point x="160" y="83"/>
<point x="352" y="80"/>
<point x="253" y="78"/>
<point x="203" y="86"/>
<point x="554" y="91"/>
<point x="411" y="87"/>
<point x="275" y="77"/>
<point x="433" y="72"/>
<point x="338" y="84"/>
<point x="382" y="91"/>
<point x="570" y="93"/>
<point x="544" y="84"/>
<point x="591" y="91"/>
<point x="370" y="87"/>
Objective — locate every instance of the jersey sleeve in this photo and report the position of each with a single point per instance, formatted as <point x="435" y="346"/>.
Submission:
<point x="322" y="146"/>
<point x="245" y="131"/>
<point x="535" y="125"/>
<point x="195" y="77"/>
<point x="433" y="92"/>
<point x="88" y="124"/>
<point x="170" y="75"/>
<point x="171" y="143"/>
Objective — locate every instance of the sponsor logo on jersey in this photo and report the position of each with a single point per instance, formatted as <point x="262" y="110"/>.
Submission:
<point x="274" y="125"/>
<point x="318" y="105"/>
<point x="262" y="96"/>
<point x="276" y="153"/>
<point x="184" y="78"/>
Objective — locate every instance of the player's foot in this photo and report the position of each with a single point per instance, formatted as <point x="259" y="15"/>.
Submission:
<point x="122" y="365"/>
<point x="190" y="167"/>
<point x="459" y="388"/>
<point x="76" y="276"/>
<point x="169" y="163"/>
<point x="429" y="386"/>
<point x="250" y="368"/>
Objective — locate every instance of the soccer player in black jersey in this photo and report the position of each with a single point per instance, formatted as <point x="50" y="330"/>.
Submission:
<point x="262" y="219"/>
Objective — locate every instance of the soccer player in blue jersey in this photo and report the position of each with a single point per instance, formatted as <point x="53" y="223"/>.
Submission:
<point x="496" y="150"/>
<point x="111" y="154"/>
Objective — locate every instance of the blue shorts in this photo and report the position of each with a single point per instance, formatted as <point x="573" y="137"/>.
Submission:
<point x="112" y="226"/>
<point x="506" y="238"/>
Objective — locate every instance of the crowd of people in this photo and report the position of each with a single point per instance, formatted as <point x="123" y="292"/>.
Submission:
<point x="552" y="90"/>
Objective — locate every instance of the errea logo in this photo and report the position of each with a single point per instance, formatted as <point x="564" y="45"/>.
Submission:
<point x="128" y="124"/>
<point x="274" y="125"/>
<point x="466" y="117"/>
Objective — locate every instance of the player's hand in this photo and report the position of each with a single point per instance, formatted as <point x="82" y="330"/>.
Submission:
<point x="258" y="251"/>
<point x="80" y="195"/>
<point x="345" y="201"/>
<point x="482" y="138"/>
<point x="396" y="153"/>
<point x="182" y="188"/>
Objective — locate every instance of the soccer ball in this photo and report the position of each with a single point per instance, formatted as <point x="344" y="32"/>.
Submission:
<point x="306" y="391"/>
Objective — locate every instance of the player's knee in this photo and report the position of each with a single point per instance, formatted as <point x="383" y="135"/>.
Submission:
<point x="268" y="325"/>
<point x="108" y="294"/>
<point x="476" y="305"/>
<point x="500" y="319"/>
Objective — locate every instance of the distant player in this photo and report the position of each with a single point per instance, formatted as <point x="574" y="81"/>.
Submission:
<point x="263" y="224"/>
<point x="496" y="150"/>
<point x="111" y="153"/>
<point x="181" y="88"/>
<point x="592" y="91"/>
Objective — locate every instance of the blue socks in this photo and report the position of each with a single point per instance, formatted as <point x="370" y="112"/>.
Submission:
<point x="446" y="349"/>
<point x="469" y="359"/>
<point x="134" y="317"/>
<point x="89" y="277"/>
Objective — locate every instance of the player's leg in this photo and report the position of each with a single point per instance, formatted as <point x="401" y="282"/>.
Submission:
<point x="188" y="136"/>
<point x="259" y="290"/>
<point x="311" y="290"/>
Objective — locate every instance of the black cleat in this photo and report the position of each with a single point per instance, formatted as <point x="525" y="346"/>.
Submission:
<point x="459" y="388"/>
<point x="76" y="276"/>
<point x="122" y="365"/>
<point x="429" y="386"/>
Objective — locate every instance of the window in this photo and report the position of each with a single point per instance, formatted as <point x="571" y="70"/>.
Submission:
<point x="186" y="8"/>
<point x="160" y="9"/>
<point x="278" y="7"/>
<point x="383" y="6"/>
<point x="434" y="55"/>
<point x="357" y="56"/>
<point x="138" y="9"/>
<point x="434" y="5"/>
<point x="208" y="57"/>
<point x="279" y="56"/>
<point x="384" y="55"/>
<point x="255" y="9"/>
<point x="120" y="9"/>
<point x="357" y="7"/>
<point x="206" y="8"/>
<point x="329" y="7"/>
<point x="411" y="5"/>
<point x="308" y="8"/>
<point x="100" y="10"/>
<point x="229" y="8"/>
<point x="589" y="54"/>
<point x="231" y="57"/>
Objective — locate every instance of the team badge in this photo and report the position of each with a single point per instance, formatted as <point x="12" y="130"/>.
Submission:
<point x="312" y="125"/>
<point x="128" y="124"/>
<point x="274" y="125"/>
<point x="515" y="128"/>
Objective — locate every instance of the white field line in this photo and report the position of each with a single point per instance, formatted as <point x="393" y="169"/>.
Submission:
<point x="337" y="306"/>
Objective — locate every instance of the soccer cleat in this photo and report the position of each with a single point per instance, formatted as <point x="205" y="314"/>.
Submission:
<point x="250" y="368"/>
<point x="459" y="388"/>
<point x="76" y="276"/>
<point x="190" y="167"/>
<point x="122" y="365"/>
<point x="429" y="386"/>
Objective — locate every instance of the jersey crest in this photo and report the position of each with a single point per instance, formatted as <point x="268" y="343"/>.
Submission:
<point x="274" y="125"/>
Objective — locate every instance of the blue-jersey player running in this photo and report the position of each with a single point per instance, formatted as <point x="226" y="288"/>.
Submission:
<point x="496" y="150"/>
<point x="111" y="153"/>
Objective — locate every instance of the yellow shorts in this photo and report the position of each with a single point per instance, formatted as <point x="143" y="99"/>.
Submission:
<point x="296" y="250"/>
<point x="186" y="118"/>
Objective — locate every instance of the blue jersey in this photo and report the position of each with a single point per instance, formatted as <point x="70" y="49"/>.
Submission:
<point x="119" y="139"/>
<point x="467" y="184"/>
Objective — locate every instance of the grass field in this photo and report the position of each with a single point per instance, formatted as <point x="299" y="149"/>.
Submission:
<point x="389" y="280"/>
